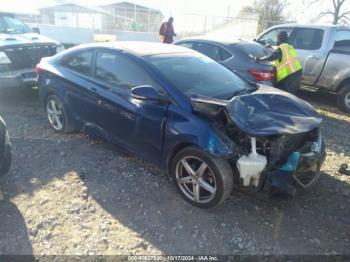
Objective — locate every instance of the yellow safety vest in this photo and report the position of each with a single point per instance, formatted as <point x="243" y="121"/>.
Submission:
<point x="289" y="63"/>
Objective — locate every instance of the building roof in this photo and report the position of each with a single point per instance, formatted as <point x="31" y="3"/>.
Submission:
<point x="133" y="3"/>
<point x="88" y="8"/>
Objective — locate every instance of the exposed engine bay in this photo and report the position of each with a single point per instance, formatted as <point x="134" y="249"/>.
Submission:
<point x="273" y="132"/>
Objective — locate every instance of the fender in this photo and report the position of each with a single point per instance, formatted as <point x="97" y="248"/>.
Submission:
<point x="183" y="130"/>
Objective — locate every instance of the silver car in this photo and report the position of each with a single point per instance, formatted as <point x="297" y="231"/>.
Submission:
<point x="238" y="56"/>
<point x="324" y="52"/>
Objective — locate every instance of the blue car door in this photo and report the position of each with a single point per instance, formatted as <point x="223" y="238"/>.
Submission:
<point x="135" y="124"/>
<point x="82" y="98"/>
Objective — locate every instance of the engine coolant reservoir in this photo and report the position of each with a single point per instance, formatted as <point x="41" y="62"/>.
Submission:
<point x="251" y="166"/>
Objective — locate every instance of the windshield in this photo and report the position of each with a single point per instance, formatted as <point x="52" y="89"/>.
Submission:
<point x="196" y="74"/>
<point x="10" y="25"/>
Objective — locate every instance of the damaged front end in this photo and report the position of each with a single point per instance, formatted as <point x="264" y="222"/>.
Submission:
<point x="279" y="145"/>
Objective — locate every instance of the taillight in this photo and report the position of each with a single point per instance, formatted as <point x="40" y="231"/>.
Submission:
<point x="260" y="75"/>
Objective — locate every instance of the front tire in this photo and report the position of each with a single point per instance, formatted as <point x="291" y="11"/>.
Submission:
<point x="57" y="115"/>
<point x="202" y="179"/>
<point x="343" y="98"/>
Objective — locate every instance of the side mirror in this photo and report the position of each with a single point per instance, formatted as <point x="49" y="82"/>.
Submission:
<point x="36" y="30"/>
<point x="254" y="39"/>
<point x="145" y="92"/>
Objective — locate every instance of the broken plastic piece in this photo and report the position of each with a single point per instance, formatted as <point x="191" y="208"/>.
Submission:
<point x="292" y="163"/>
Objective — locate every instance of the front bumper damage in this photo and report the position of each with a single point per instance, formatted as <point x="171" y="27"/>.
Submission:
<point x="302" y="169"/>
<point x="279" y="145"/>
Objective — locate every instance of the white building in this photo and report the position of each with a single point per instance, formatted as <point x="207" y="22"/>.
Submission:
<point x="73" y="15"/>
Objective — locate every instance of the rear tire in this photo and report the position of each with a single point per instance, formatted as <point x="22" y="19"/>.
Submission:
<point x="202" y="179"/>
<point x="343" y="98"/>
<point x="57" y="115"/>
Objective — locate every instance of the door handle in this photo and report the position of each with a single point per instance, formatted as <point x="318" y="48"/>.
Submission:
<point x="314" y="57"/>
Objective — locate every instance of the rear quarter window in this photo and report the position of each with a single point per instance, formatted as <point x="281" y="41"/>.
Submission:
<point x="342" y="40"/>
<point x="213" y="51"/>
<point x="307" y="38"/>
<point x="80" y="62"/>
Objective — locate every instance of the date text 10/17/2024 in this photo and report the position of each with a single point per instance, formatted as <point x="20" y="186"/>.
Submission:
<point x="173" y="258"/>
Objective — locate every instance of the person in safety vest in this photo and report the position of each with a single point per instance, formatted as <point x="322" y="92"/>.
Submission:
<point x="288" y="68"/>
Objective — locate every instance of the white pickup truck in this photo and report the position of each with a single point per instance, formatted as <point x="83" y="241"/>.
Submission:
<point x="21" y="49"/>
<point x="324" y="52"/>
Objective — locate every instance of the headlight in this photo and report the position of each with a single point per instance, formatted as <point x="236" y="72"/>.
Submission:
<point x="59" y="49"/>
<point x="4" y="59"/>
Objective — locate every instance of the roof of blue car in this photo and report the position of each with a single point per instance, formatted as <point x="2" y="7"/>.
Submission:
<point x="140" y="48"/>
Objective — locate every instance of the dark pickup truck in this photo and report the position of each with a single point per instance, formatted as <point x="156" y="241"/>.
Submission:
<point x="21" y="49"/>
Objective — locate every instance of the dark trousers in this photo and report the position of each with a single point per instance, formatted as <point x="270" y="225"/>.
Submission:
<point x="291" y="83"/>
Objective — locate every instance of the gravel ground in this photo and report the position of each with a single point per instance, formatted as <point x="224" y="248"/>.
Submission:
<point x="67" y="194"/>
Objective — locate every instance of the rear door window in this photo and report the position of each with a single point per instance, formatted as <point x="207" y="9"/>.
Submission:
<point x="119" y="72"/>
<point x="307" y="38"/>
<point x="80" y="62"/>
<point x="214" y="52"/>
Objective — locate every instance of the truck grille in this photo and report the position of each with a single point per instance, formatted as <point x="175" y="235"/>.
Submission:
<point x="27" y="57"/>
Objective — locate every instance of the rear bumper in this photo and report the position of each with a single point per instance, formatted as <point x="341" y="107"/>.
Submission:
<point x="301" y="171"/>
<point x="26" y="78"/>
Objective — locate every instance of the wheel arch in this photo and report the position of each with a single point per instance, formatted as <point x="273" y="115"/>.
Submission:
<point x="343" y="84"/>
<point x="176" y="149"/>
<point x="213" y="144"/>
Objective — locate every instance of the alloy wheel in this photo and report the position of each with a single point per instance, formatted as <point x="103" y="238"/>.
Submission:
<point x="54" y="114"/>
<point x="195" y="179"/>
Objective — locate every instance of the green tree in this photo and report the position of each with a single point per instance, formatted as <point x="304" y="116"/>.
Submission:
<point x="270" y="12"/>
<point x="339" y="11"/>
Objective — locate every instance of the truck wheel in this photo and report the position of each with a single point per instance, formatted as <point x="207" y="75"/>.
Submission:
<point x="202" y="179"/>
<point x="343" y="98"/>
<point x="57" y="115"/>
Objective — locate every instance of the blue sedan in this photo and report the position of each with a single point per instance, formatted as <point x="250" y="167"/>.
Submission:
<point x="186" y="113"/>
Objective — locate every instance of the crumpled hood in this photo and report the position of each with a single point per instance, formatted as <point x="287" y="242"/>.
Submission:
<point x="27" y="38"/>
<point x="269" y="111"/>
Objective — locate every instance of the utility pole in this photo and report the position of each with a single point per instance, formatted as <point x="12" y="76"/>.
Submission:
<point x="264" y="22"/>
<point x="228" y="13"/>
